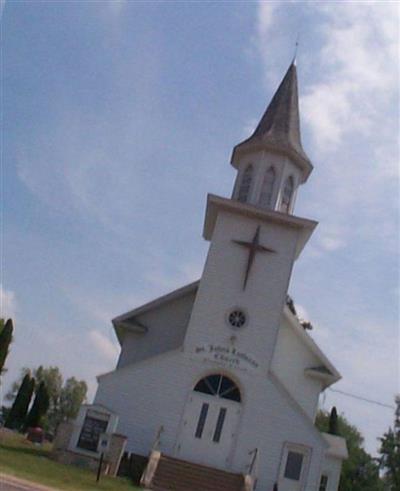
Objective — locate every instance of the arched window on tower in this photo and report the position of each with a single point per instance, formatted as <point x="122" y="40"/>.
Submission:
<point x="287" y="194"/>
<point x="220" y="386"/>
<point x="267" y="188"/>
<point x="245" y="185"/>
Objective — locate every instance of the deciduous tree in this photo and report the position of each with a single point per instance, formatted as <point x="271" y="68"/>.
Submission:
<point x="360" y="472"/>
<point x="390" y="452"/>
<point x="73" y="394"/>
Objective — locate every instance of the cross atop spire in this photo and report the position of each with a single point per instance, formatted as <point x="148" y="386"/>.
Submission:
<point x="279" y="127"/>
<point x="296" y="47"/>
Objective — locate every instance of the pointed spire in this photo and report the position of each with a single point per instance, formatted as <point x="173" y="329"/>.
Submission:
<point x="281" y="119"/>
<point x="279" y="127"/>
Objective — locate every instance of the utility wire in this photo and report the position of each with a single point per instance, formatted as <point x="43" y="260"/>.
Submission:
<point x="371" y="401"/>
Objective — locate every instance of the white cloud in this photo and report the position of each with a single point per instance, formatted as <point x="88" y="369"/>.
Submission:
<point x="269" y="38"/>
<point x="108" y="349"/>
<point x="101" y="306"/>
<point x="100" y="310"/>
<point x="357" y="70"/>
<point x="349" y="104"/>
<point x="326" y="109"/>
<point x="265" y="18"/>
<point x="331" y="243"/>
<point x="164" y="281"/>
<point x="115" y="7"/>
<point x="8" y="303"/>
<point x="354" y="68"/>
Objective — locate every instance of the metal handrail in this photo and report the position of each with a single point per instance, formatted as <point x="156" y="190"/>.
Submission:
<point x="253" y="460"/>
<point x="157" y="440"/>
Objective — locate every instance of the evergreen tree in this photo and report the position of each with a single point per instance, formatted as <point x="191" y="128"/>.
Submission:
<point x="333" y="422"/>
<point x="390" y="452"/>
<point x="5" y="340"/>
<point x="39" y="407"/>
<point x="65" y="399"/>
<point x="16" y="416"/>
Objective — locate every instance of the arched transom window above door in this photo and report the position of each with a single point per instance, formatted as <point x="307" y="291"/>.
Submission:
<point x="220" y="386"/>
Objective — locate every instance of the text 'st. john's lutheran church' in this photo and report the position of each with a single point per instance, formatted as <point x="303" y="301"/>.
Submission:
<point x="221" y="374"/>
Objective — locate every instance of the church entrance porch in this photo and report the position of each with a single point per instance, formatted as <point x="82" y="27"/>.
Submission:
<point x="180" y="475"/>
<point x="210" y="422"/>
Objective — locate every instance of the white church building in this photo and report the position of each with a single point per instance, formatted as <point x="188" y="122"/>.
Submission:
<point x="218" y="382"/>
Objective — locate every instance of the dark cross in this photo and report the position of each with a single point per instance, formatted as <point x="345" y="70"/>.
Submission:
<point x="254" y="246"/>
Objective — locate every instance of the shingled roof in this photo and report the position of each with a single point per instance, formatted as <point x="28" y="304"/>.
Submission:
<point x="279" y="127"/>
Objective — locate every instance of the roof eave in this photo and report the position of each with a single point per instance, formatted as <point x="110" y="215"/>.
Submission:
<point x="327" y="379"/>
<point x="217" y="203"/>
<point x="129" y="322"/>
<point x="255" y="144"/>
<point x="157" y="302"/>
<point x="316" y="350"/>
<point x="337" y="446"/>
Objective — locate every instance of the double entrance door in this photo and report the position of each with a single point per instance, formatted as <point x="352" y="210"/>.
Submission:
<point x="208" y="430"/>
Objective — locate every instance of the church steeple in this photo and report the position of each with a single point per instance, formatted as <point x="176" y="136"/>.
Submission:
<point x="274" y="147"/>
<point x="280" y="124"/>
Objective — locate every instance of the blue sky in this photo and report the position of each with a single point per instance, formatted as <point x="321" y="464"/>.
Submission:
<point x="119" y="118"/>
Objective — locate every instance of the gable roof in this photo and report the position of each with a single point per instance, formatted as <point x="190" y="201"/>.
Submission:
<point x="157" y="302"/>
<point x="325" y="371"/>
<point x="288" y="396"/>
<point x="128" y="321"/>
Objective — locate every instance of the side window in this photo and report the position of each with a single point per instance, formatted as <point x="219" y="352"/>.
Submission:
<point x="267" y="188"/>
<point x="294" y="465"/>
<point x="245" y="185"/>
<point x="287" y="194"/>
<point x="323" y="485"/>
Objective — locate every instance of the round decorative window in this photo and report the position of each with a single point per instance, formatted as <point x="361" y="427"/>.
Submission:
<point x="237" y="318"/>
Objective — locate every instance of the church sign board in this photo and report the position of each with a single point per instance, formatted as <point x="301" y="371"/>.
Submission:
<point x="227" y="356"/>
<point x="95" y="424"/>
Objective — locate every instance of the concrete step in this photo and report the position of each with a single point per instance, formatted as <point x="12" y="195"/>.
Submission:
<point x="179" y="475"/>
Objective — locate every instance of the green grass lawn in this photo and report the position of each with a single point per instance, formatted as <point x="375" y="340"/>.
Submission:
<point x="23" y="459"/>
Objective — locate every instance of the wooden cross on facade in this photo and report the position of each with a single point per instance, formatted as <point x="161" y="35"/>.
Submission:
<point x="253" y="247"/>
